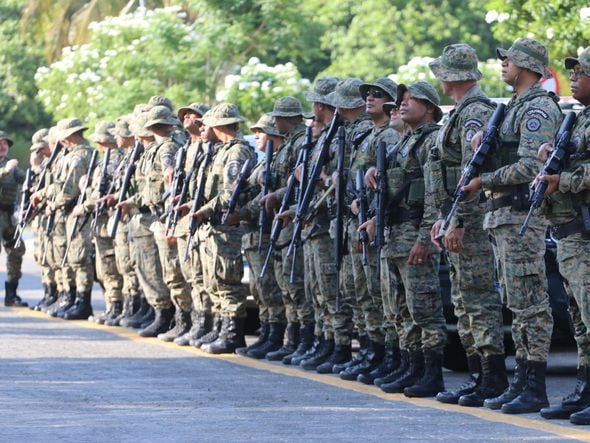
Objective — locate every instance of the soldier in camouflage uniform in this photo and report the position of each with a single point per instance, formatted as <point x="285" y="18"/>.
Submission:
<point x="478" y="305"/>
<point x="531" y="119"/>
<point x="65" y="192"/>
<point x="566" y="208"/>
<point x="192" y="268"/>
<point x="106" y="265"/>
<point x="11" y="177"/>
<point x="220" y="245"/>
<point x="265" y="289"/>
<point x="409" y="262"/>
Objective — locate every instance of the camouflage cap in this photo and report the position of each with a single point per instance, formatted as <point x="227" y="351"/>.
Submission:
<point x="103" y="133"/>
<point x="266" y="124"/>
<point x="69" y="126"/>
<point x="528" y="54"/>
<point x="389" y="106"/>
<point x="384" y="83"/>
<point x="458" y="63"/>
<point x="160" y="115"/>
<point x="160" y="100"/>
<point x="122" y="127"/>
<point x="52" y="136"/>
<point x="287" y="107"/>
<point x="323" y="87"/>
<point x="197" y="108"/>
<point x="583" y="60"/>
<point x="137" y="125"/>
<point x="222" y="114"/>
<point x="347" y="94"/>
<point x="40" y="139"/>
<point x="422" y="91"/>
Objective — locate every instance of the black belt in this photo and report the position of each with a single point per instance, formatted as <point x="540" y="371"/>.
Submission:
<point x="6" y="208"/>
<point x="576" y="226"/>
<point x="401" y="216"/>
<point x="496" y="203"/>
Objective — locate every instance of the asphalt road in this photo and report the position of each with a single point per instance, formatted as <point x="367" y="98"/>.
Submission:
<point x="77" y="381"/>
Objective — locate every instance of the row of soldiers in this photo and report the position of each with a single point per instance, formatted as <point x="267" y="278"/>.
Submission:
<point x="171" y="219"/>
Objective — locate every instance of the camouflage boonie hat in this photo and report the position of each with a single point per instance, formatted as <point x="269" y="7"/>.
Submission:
<point x="103" y="133"/>
<point x="347" y="94"/>
<point x="389" y="106"/>
<point x="583" y="60"/>
<point x="160" y="115"/>
<point x="528" y="54"/>
<point x="69" y="126"/>
<point x="160" y="100"/>
<point x="422" y="91"/>
<point x="141" y="107"/>
<point x="137" y="125"/>
<point x="384" y="83"/>
<point x="458" y="63"/>
<point x="266" y="124"/>
<point x="122" y="127"/>
<point x="323" y="87"/>
<point x="4" y="136"/>
<point x="222" y="114"/>
<point x="287" y="107"/>
<point x="197" y="108"/>
<point x="52" y="136"/>
<point x="39" y="139"/>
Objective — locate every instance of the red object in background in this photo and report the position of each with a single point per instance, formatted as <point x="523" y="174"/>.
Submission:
<point x="551" y="84"/>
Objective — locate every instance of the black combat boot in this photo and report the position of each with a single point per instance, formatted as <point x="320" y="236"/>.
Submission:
<point x="160" y="324"/>
<point x="431" y="383"/>
<point x="210" y="336"/>
<point x="263" y="332"/>
<point x="306" y="341"/>
<point x="64" y="303"/>
<point x="513" y="390"/>
<point x="81" y="309"/>
<point x="273" y="344"/>
<point x="230" y="338"/>
<point x="397" y="372"/>
<point x="133" y="320"/>
<point x="49" y="297"/>
<point x="390" y="363"/>
<point x="322" y="353"/>
<point x="574" y="402"/>
<point x="468" y="386"/>
<point x="10" y="296"/>
<point x="131" y="304"/>
<point x="493" y="382"/>
<point x="373" y="359"/>
<point x="581" y="418"/>
<point x="360" y="356"/>
<point x="341" y="354"/>
<point x="202" y="324"/>
<point x="533" y="397"/>
<point x="414" y="373"/>
<point x="290" y="346"/>
<point x="182" y="325"/>
<point x="115" y="310"/>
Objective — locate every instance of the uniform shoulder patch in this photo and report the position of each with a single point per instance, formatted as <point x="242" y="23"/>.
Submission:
<point x="233" y="170"/>
<point x="537" y="112"/>
<point x="533" y="124"/>
<point x="473" y="122"/>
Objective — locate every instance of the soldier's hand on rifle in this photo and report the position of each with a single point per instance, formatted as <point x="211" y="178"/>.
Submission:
<point x="371" y="177"/>
<point x="233" y="218"/>
<point x="270" y="201"/>
<point x="418" y="254"/>
<point x="335" y="179"/>
<point x="287" y="216"/>
<point x="198" y="215"/>
<point x="544" y="151"/>
<point x="472" y="186"/>
<point x="298" y="172"/>
<point x="11" y="164"/>
<point x="124" y="205"/>
<point x="552" y="183"/>
<point x="109" y="200"/>
<point x="183" y="209"/>
<point x="78" y="211"/>
<point x="368" y="226"/>
<point x="476" y="140"/>
<point x="169" y="175"/>
<point x="171" y="240"/>
<point x="435" y="232"/>
<point x="48" y="210"/>
<point x="454" y="239"/>
<point x="354" y="207"/>
<point x="36" y="199"/>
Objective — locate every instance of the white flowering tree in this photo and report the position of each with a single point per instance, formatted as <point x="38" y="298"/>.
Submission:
<point x="255" y="88"/>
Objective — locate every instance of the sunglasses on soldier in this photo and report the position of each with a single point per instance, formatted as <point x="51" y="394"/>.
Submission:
<point x="375" y="93"/>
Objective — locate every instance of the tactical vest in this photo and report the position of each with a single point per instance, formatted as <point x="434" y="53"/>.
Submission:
<point x="9" y="187"/>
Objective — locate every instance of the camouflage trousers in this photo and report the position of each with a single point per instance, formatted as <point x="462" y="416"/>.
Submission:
<point x="54" y="249"/>
<point x="80" y="256"/>
<point x="173" y="278"/>
<point x="521" y="270"/>
<point x="478" y="305"/>
<point x="192" y="270"/>
<point x="265" y="290"/>
<point x="106" y="263"/>
<point x="320" y="264"/>
<point x="573" y="255"/>
<point x="223" y="268"/>
<point x="125" y="258"/>
<point x="14" y="256"/>
<point x="47" y="272"/>
<point x="147" y="260"/>
<point x="412" y="292"/>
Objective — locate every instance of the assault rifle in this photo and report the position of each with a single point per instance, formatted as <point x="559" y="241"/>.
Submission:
<point x="361" y="196"/>
<point x="240" y="185"/>
<point x="553" y="165"/>
<point x="103" y="183"/>
<point x="177" y="183"/>
<point x="381" y="164"/>
<point x="475" y="165"/>
<point x="25" y="198"/>
<point x="129" y="171"/>
<point x="81" y="199"/>
<point x="262" y="215"/>
<point x="339" y="191"/>
<point x="198" y="200"/>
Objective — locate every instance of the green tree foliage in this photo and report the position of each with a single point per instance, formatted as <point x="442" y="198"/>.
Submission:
<point x="20" y="111"/>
